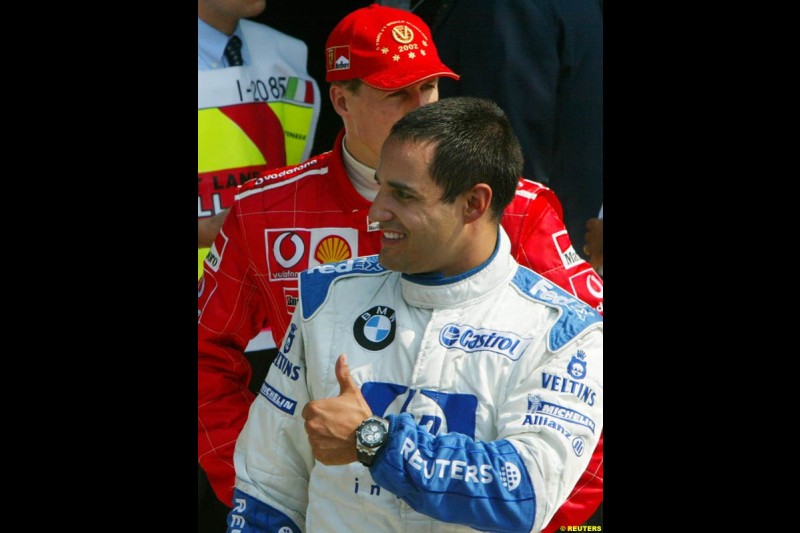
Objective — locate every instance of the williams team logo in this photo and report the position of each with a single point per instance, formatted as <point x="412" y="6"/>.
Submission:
<point x="374" y="329"/>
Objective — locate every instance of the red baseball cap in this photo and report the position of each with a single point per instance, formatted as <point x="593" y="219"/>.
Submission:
<point x="387" y="48"/>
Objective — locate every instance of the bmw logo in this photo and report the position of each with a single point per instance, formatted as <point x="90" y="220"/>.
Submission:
<point x="374" y="329"/>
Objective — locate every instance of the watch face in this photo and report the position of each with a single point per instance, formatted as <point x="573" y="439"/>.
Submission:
<point x="372" y="433"/>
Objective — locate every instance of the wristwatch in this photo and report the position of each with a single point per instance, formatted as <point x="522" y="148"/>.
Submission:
<point x="370" y="436"/>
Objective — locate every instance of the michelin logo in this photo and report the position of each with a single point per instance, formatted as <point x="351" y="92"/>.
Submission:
<point x="537" y="405"/>
<point x="285" y="404"/>
<point x="470" y="339"/>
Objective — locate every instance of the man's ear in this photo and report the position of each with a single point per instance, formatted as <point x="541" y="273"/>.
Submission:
<point x="338" y="99"/>
<point x="479" y="201"/>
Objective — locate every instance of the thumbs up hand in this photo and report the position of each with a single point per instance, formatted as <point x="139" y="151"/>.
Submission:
<point x="331" y="422"/>
<point x="346" y="383"/>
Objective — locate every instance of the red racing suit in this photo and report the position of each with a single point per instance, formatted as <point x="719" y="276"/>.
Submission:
<point x="298" y="217"/>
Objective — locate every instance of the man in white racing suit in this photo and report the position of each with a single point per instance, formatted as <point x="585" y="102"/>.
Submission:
<point x="438" y="386"/>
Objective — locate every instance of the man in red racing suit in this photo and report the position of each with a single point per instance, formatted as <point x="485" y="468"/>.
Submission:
<point x="291" y="219"/>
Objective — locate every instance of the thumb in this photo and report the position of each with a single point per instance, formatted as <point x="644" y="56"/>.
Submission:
<point x="346" y="383"/>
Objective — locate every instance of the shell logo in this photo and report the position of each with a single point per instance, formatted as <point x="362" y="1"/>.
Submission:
<point x="332" y="249"/>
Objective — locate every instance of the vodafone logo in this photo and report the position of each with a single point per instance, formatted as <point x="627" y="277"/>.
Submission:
<point x="586" y="283"/>
<point x="594" y="285"/>
<point x="289" y="255"/>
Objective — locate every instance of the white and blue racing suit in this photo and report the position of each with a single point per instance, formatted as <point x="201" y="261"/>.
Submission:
<point x="492" y="382"/>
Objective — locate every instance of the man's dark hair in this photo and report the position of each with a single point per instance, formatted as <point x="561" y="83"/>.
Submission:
<point x="474" y="144"/>
<point x="352" y="85"/>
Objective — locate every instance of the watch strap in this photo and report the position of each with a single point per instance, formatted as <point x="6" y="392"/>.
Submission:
<point x="364" y="457"/>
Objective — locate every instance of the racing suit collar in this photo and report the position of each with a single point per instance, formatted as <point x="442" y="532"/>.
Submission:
<point x="439" y="292"/>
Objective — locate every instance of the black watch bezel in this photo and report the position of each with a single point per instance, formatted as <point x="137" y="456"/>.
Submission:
<point x="365" y="452"/>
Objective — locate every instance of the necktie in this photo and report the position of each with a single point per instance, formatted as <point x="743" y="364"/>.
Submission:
<point x="233" y="51"/>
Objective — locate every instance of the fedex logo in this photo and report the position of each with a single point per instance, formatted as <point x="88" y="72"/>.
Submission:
<point x="548" y="292"/>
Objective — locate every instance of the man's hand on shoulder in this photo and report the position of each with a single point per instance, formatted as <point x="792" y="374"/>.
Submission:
<point x="207" y="228"/>
<point x="594" y="243"/>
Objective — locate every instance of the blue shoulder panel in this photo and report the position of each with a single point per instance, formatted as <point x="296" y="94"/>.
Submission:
<point x="316" y="282"/>
<point x="575" y="315"/>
